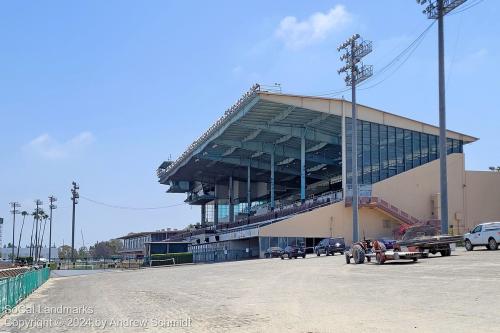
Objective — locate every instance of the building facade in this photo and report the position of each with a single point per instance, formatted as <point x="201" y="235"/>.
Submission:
<point x="276" y="170"/>
<point x="135" y="245"/>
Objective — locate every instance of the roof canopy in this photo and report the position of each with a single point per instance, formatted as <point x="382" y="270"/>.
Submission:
<point x="261" y="123"/>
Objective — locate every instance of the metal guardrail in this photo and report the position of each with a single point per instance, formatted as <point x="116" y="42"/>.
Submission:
<point x="15" y="289"/>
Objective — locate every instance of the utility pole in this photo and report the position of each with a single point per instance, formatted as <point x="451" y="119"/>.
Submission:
<point x="437" y="10"/>
<point x="38" y="203"/>
<point x="354" y="51"/>
<point x="14" y="205"/>
<point x="52" y="199"/>
<point x="74" y="198"/>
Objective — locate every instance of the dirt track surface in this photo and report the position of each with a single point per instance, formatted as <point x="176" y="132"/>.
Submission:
<point x="460" y="293"/>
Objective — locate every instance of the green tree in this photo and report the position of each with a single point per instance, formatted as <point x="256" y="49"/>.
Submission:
<point x="64" y="252"/>
<point x="83" y="252"/>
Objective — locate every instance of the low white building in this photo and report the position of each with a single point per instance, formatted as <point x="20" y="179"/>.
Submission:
<point x="25" y="252"/>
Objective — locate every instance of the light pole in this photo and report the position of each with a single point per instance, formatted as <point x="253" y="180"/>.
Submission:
<point x="74" y="199"/>
<point x="437" y="10"/>
<point x="38" y="203"/>
<point x="14" y="205"/>
<point x="52" y="199"/>
<point x="354" y="51"/>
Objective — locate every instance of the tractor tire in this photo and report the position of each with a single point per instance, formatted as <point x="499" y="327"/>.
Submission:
<point x="358" y="254"/>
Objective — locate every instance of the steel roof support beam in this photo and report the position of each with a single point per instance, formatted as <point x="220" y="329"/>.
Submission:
<point x="311" y="134"/>
<point x="282" y="115"/>
<point x="279" y="150"/>
<point x="255" y="164"/>
<point x="317" y="120"/>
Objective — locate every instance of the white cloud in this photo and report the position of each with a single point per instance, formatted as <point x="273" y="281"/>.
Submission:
<point x="297" y="34"/>
<point x="47" y="147"/>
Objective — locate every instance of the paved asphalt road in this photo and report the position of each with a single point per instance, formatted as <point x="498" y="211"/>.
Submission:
<point x="460" y="293"/>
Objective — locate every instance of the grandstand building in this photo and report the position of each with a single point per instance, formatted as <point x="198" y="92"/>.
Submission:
<point x="275" y="169"/>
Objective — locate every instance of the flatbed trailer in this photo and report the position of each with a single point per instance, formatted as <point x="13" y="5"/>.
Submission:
<point x="443" y="244"/>
<point x="368" y="250"/>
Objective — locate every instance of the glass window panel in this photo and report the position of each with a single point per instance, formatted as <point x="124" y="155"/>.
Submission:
<point x="424" y="147"/>
<point x="433" y="150"/>
<point x="384" y="162"/>
<point x="375" y="154"/>
<point x="400" y="149"/>
<point x="408" y="150"/>
<point x="416" y="148"/>
<point x="449" y="146"/>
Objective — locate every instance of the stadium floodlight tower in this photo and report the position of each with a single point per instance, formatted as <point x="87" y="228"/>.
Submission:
<point x="437" y="10"/>
<point x="354" y="50"/>
<point x="52" y="199"/>
<point x="74" y="198"/>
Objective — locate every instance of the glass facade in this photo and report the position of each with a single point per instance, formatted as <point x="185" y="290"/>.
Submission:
<point x="385" y="151"/>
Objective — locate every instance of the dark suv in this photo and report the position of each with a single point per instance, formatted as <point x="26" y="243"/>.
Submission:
<point x="330" y="246"/>
<point x="293" y="252"/>
<point x="273" y="252"/>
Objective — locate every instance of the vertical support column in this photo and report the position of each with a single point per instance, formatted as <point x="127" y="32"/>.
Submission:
<point x="216" y="206"/>
<point x="443" y="174"/>
<point x="249" y="198"/>
<point x="303" y="167"/>
<point x="203" y="214"/>
<point x="231" y="208"/>
<point x="354" y="177"/>
<point x="344" y="157"/>
<point x="272" y="180"/>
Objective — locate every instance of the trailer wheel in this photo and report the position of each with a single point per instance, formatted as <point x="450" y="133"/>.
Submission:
<point x="358" y="254"/>
<point x="347" y="258"/>
<point x="380" y="257"/>
<point x="415" y="259"/>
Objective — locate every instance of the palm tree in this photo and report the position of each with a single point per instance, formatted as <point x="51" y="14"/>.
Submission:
<point x="34" y="214"/>
<point x="24" y="214"/>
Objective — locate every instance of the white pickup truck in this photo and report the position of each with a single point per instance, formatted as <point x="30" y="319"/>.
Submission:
<point x="484" y="234"/>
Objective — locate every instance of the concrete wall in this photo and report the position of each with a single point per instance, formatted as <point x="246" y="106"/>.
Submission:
<point x="333" y="220"/>
<point x="413" y="190"/>
<point x="473" y="197"/>
<point x="482" y="197"/>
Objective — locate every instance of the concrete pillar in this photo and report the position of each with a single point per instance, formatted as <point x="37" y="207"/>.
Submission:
<point x="249" y="198"/>
<point x="203" y="214"/>
<point x="272" y="180"/>
<point x="216" y="206"/>
<point x="344" y="156"/>
<point x="231" y="194"/>
<point x="303" y="167"/>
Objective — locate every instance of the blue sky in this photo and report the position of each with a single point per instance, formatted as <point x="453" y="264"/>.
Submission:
<point x="102" y="92"/>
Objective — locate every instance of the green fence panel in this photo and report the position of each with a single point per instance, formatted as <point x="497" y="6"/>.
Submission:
<point x="15" y="289"/>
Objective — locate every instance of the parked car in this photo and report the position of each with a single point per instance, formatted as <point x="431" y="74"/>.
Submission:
<point x="484" y="234"/>
<point x="330" y="246"/>
<point x="293" y="252"/>
<point x="273" y="252"/>
<point x="388" y="243"/>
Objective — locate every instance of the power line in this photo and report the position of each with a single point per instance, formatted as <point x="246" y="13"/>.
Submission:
<point x="128" y="207"/>
<point x="473" y="4"/>
<point x="405" y="59"/>
<point x="404" y="54"/>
